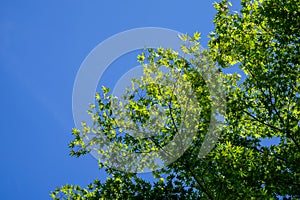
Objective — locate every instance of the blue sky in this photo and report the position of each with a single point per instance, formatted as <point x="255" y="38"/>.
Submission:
<point x="42" y="45"/>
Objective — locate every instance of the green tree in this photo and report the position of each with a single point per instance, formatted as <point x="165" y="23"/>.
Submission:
<point x="229" y="162"/>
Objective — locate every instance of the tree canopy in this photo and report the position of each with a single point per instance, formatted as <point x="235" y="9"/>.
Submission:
<point x="209" y="138"/>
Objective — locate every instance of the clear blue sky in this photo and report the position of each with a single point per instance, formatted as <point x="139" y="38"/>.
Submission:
<point x="42" y="44"/>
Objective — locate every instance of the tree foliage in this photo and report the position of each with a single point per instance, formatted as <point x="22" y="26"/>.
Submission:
<point x="262" y="102"/>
